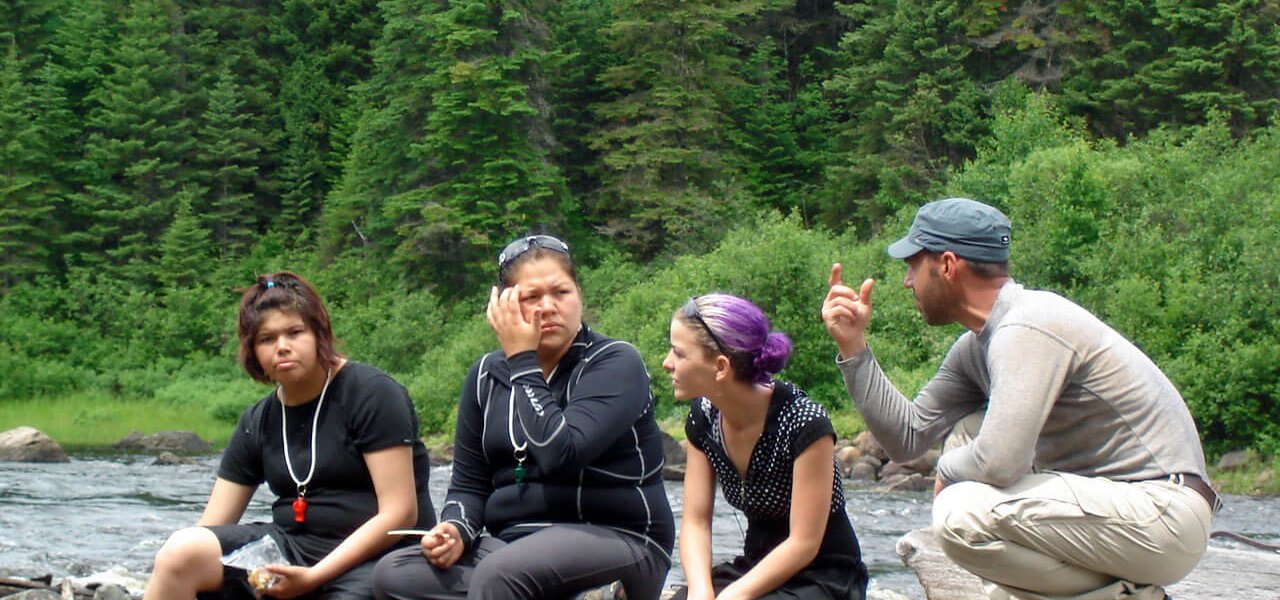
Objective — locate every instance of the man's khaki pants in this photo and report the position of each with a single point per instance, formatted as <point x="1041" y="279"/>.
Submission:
<point x="1057" y="535"/>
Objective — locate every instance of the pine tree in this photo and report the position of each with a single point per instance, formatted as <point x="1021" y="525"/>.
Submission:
<point x="28" y="192"/>
<point x="325" y="49"/>
<point x="138" y="134"/>
<point x="668" y="177"/>
<point x="183" y="251"/>
<point x="911" y="92"/>
<point x="455" y="137"/>
<point x="227" y="159"/>
<point x="1142" y="65"/>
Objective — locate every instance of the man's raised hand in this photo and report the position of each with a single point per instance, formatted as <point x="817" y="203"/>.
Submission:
<point x="846" y="312"/>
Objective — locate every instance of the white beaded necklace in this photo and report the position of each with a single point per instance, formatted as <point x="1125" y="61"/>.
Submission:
<point x="300" y="503"/>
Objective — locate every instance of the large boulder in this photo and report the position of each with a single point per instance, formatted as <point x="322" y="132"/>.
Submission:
<point x="184" y="442"/>
<point x="28" y="444"/>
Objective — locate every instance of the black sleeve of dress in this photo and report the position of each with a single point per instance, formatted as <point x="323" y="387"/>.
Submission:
<point x="697" y="425"/>
<point x="813" y="426"/>
<point x="242" y="459"/>
<point x="605" y="401"/>
<point x="472" y="481"/>
<point x="383" y="415"/>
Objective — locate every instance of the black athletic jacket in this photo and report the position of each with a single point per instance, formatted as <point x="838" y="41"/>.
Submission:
<point x="593" y="452"/>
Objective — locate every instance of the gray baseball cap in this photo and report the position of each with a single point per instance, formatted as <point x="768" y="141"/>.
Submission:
<point x="968" y="228"/>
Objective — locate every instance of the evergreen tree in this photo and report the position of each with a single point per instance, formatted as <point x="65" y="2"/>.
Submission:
<point x="775" y="132"/>
<point x="456" y="138"/>
<point x="912" y="95"/>
<point x="309" y="106"/>
<point x="28" y="25"/>
<point x="668" y="177"/>
<point x="28" y="192"/>
<point x="227" y="158"/>
<point x="326" y="50"/>
<point x="183" y="251"/>
<point x="1142" y="65"/>
<point x="138" y="134"/>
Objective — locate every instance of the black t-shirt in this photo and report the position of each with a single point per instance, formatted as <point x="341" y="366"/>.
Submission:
<point x="364" y="410"/>
<point x="793" y="424"/>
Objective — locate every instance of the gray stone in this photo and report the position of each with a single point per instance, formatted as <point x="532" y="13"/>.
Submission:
<point x="28" y="444"/>
<point x="169" y="458"/>
<point x="871" y="447"/>
<point x="441" y="455"/>
<point x="907" y="482"/>
<point x="1223" y="573"/>
<point x="846" y="458"/>
<point x="173" y="441"/>
<point x="1234" y="460"/>
<point x="111" y="591"/>
<point x="35" y="595"/>
<point x="672" y="450"/>
<point x="862" y="471"/>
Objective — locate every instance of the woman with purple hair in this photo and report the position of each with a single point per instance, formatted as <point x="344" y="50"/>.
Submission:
<point x="771" y="449"/>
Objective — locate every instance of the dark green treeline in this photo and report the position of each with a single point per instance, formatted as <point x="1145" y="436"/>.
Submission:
<point x="158" y="153"/>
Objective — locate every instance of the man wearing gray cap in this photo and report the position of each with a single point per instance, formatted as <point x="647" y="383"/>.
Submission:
<point x="1072" y="467"/>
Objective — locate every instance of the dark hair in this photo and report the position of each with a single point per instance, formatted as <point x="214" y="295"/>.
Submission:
<point x="287" y="292"/>
<point x="983" y="269"/>
<point x="988" y="270"/>
<point x="533" y="247"/>
<point x="738" y="329"/>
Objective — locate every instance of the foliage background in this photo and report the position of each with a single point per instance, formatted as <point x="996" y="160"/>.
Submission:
<point x="156" y="154"/>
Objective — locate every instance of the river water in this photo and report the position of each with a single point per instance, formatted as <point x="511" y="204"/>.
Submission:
<point x="98" y="513"/>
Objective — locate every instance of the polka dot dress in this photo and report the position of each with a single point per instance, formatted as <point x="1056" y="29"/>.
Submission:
<point x="793" y="424"/>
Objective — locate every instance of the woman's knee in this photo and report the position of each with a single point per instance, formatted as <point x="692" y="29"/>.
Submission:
<point x="503" y="575"/>
<point x="189" y="548"/>
<point x="391" y="574"/>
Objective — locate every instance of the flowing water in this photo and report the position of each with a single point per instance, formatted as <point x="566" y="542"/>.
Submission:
<point x="97" y="513"/>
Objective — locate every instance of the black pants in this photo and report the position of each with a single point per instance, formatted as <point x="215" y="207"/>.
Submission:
<point x="825" y="582"/>
<point x="553" y="563"/>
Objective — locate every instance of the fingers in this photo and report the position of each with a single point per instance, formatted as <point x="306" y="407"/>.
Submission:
<point x="834" y="279"/>
<point x="864" y="292"/>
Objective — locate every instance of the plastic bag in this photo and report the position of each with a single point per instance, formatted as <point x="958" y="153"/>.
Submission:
<point x="252" y="557"/>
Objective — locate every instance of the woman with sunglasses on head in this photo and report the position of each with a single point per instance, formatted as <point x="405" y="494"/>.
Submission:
<point x="557" y="483"/>
<point x="771" y="449"/>
<point x="336" y="442"/>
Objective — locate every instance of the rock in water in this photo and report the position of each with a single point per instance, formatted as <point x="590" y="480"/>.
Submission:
<point x="28" y="444"/>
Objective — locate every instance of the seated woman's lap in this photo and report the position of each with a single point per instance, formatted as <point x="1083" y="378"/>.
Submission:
<point x="554" y="562"/>
<point x="355" y="584"/>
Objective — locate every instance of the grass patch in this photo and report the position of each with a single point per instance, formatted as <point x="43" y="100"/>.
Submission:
<point x="95" y="420"/>
<point x="1258" y="477"/>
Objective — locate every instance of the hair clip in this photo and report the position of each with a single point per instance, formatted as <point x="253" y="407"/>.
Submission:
<point x="270" y="284"/>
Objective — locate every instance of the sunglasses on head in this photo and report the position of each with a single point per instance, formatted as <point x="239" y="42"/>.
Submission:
<point x="525" y="244"/>
<point x="691" y="309"/>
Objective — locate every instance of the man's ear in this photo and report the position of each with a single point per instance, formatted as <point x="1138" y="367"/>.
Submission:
<point x="949" y="265"/>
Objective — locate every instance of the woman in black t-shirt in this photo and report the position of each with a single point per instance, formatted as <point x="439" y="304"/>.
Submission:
<point x="771" y="449"/>
<point x="336" y="442"/>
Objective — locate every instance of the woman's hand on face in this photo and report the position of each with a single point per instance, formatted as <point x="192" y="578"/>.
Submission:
<point x="515" y="334"/>
<point x="443" y="547"/>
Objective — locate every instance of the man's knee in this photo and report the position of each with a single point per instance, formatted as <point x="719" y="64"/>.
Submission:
<point x="961" y="519"/>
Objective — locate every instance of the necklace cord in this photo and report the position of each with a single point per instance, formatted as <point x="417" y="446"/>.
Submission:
<point x="315" y="426"/>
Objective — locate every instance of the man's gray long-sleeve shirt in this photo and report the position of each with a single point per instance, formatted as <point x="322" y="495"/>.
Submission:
<point x="1063" y="392"/>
